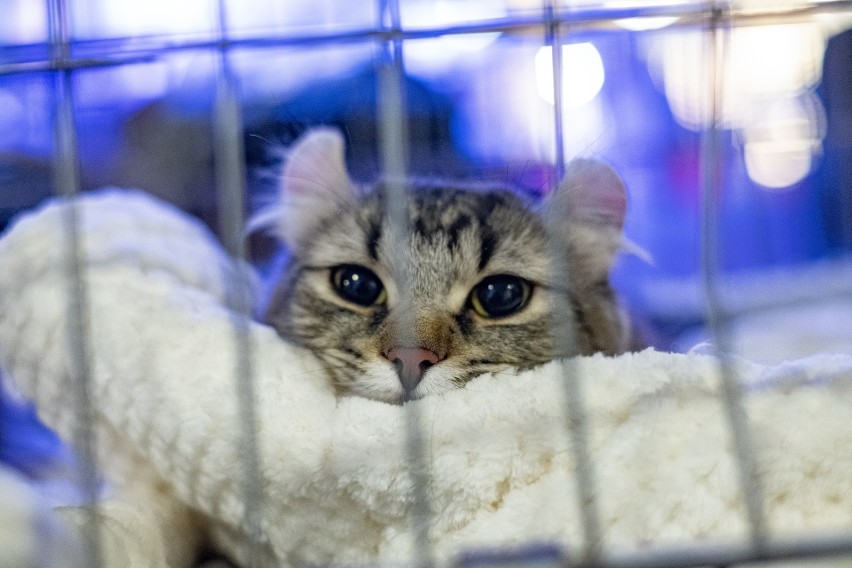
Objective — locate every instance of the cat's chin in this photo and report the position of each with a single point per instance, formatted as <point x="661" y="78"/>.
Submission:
<point x="380" y="382"/>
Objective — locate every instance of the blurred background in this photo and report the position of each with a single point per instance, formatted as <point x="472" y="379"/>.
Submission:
<point x="638" y="84"/>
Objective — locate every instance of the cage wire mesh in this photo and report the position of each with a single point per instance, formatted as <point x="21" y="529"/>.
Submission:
<point x="449" y="87"/>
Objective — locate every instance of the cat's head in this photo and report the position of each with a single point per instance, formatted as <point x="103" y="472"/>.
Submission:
<point x="469" y="286"/>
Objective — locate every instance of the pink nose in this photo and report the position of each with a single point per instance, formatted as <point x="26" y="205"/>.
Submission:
<point x="411" y="363"/>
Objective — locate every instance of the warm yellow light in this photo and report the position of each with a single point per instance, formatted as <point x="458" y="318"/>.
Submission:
<point x="778" y="164"/>
<point x="780" y="144"/>
<point x="582" y="73"/>
<point x="760" y="63"/>
<point x="764" y="75"/>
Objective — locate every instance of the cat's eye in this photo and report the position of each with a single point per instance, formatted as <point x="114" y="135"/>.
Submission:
<point x="500" y="295"/>
<point x="358" y="284"/>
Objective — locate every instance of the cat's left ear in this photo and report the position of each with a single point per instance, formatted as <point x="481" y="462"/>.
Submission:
<point x="313" y="184"/>
<point x="589" y="208"/>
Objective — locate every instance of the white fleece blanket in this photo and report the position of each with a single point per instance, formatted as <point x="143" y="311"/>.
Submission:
<point x="500" y="470"/>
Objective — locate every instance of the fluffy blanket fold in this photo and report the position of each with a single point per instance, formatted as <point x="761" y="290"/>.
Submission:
<point x="500" y="470"/>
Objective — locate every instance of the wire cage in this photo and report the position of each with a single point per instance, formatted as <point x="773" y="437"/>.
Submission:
<point x="728" y="120"/>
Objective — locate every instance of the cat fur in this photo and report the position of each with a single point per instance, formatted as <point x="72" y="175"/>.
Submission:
<point x="453" y="236"/>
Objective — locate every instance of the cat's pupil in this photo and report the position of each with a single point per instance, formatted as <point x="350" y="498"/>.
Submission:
<point x="357" y="284"/>
<point x="500" y="295"/>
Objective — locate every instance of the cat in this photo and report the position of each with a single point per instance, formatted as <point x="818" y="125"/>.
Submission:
<point x="468" y="287"/>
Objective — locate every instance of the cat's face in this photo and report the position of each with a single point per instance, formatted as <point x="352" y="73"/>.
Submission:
<point x="468" y="287"/>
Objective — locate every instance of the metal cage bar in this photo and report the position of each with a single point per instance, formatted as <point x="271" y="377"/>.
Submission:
<point x="393" y="155"/>
<point x="229" y="160"/>
<point x="66" y="56"/>
<point x="66" y="181"/>
<point x="565" y="320"/>
<point x="820" y="547"/>
<point x="118" y="51"/>
<point x="711" y="185"/>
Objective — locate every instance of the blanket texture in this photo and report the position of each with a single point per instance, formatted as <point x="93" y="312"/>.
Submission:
<point x="499" y="466"/>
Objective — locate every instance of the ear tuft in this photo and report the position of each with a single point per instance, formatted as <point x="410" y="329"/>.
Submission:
<point x="314" y="183"/>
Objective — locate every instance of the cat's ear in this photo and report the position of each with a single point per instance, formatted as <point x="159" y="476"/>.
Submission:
<point x="314" y="182"/>
<point x="592" y="192"/>
<point x="589" y="208"/>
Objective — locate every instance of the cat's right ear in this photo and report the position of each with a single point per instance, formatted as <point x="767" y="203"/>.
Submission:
<point x="588" y="208"/>
<point x="314" y="182"/>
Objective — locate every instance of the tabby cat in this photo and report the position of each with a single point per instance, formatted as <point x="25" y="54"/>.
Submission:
<point x="468" y="285"/>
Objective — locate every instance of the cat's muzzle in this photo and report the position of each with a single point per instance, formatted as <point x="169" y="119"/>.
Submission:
<point x="411" y="364"/>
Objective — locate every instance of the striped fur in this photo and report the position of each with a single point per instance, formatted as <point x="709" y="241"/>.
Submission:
<point x="452" y="237"/>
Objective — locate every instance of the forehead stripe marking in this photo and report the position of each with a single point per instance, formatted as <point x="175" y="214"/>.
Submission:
<point x="486" y="246"/>
<point x="461" y="223"/>
<point x="373" y="236"/>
